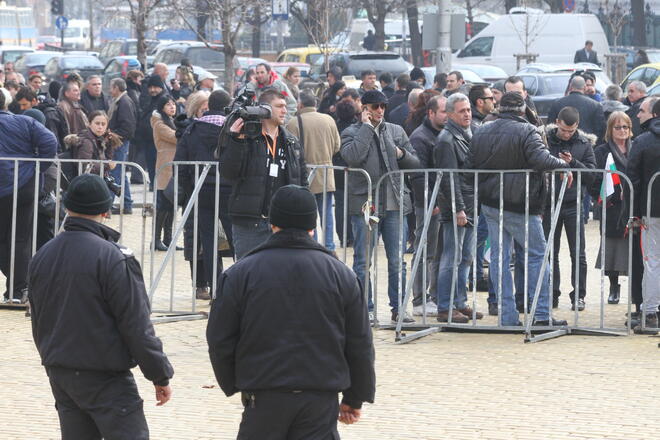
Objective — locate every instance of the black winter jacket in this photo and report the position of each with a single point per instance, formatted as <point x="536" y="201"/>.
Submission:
<point x="398" y="98"/>
<point x="423" y="141"/>
<point x="90" y="103"/>
<point x="289" y="316"/>
<point x="507" y="143"/>
<point x="643" y="163"/>
<point x="581" y="146"/>
<point x="592" y="119"/>
<point x="143" y="131"/>
<point x="90" y="309"/>
<point x="451" y="152"/>
<point x="134" y="90"/>
<point x="124" y="119"/>
<point x="55" y="120"/>
<point x="243" y="164"/>
<point x="616" y="211"/>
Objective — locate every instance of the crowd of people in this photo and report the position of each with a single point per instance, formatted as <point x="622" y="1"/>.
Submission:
<point x="386" y="124"/>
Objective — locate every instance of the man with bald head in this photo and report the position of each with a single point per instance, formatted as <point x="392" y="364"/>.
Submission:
<point x="592" y="120"/>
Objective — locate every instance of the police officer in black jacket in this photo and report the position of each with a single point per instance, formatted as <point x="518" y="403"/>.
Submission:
<point x="290" y="329"/>
<point x="576" y="147"/>
<point x="90" y="322"/>
<point x="256" y="168"/>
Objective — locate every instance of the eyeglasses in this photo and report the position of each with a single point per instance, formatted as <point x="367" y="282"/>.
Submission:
<point x="377" y="106"/>
<point x="621" y="127"/>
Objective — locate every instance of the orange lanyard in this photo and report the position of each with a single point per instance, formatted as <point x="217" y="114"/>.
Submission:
<point x="271" y="143"/>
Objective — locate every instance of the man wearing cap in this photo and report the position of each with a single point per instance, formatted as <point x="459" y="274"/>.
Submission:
<point x="260" y="338"/>
<point x="510" y="142"/>
<point x="378" y="147"/>
<point x="90" y="322"/>
<point x="144" y="134"/>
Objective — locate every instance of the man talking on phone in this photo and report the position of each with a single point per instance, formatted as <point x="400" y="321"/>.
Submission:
<point x="256" y="167"/>
<point x="378" y="147"/>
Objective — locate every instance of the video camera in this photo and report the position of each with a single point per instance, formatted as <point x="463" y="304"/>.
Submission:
<point x="243" y="107"/>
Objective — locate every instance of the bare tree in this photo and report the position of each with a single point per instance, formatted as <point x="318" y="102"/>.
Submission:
<point x="140" y="11"/>
<point x="415" y="35"/>
<point x="528" y="29"/>
<point x="231" y="15"/>
<point x="377" y="11"/>
<point x="639" y="22"/>
<point x="616" y="17"/>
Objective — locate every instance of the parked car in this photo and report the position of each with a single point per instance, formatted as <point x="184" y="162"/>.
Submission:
<point x="468" y="76"/>
<point x="12" y="53"/>
<point x="59" y="68"/>
<point x="197" y="53"/>
<point x="43" y="41"/>
<point x="602" y="80"/>
<point x="33" y="62"/>
<point x="485" y="71"/>
<point x="118" y="67"/>
<point x="545" y="88"/>
<point x="246" y="63"/>
<point x="498" y="42"/>
<point x="197" y="70"/>
<point x="309" y="55"/>
<point x="353" y="63"/>
<point x="655" y="90"/>
<point x="649" y="74"/>
<point x="123" y="47"/>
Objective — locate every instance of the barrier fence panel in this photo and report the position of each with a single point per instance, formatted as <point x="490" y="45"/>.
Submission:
<point x="45" y="217"/>
<point x="535" y="263"/>
<point x="651" y="249"/>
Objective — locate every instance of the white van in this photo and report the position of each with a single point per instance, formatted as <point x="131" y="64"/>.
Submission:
<point x="554" y="37"/>
<point x="76" y="35"/>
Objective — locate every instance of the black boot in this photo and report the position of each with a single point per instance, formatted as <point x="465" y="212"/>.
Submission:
<point x="161" y="217"/>
<point x="167" y="231"/>
<point x="615" y="293"/>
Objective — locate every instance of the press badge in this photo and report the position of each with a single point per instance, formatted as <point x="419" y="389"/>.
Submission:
<point x="274" y="170"/>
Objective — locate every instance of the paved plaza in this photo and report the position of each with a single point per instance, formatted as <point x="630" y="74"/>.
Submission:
<point x="445" y="386"/>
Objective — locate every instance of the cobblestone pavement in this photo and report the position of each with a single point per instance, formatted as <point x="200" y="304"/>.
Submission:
<point x="444" y="386"/>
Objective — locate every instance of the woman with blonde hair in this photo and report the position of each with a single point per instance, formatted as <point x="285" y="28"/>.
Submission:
<point x="197" y="104"/>
<point x="613" y="191"/>
<point x="183" y="83"/>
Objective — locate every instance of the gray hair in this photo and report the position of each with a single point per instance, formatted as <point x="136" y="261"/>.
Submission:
<point x="613" y="92"/>
<point x="413" y="97"/>
<point x="119" y="83"/>
<point x="577" y="83"/>
<point x="91" y="77"/>
<point x="195" y="102"/>
<point x="639" y="86"/>
<point x="453" y="99"/>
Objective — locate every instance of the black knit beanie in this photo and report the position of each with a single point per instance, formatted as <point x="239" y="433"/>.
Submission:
<point x="88" y="194"/>
<point x="293" y="206"/>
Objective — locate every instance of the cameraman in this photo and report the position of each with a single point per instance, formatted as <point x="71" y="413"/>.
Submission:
<point x="256" y="167"/>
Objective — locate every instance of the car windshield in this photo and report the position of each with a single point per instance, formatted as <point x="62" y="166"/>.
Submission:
<point x="81" y="63"/>
<point x="654" y="57"/>
<point x="13" y="55"/>
<point x="313" y="57"/>
<point x="554" y="85"/>
<point x="203" y="56"/>
<point x="38" y="58"/>
<point x="378" y="62"/>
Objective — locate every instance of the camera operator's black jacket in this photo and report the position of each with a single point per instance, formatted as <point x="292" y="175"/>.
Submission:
<point x="290" y="316"/>
<point x="90" y="309"/>
<point x="243" y="164"/>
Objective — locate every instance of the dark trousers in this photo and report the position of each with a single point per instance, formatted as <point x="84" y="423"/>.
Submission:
<point x="23" y="243"/>
<point x="150" y="160"/>
<point x="339" y="219"/>
<point x="278" y="415"/>
<point x="567" y="220"/>
<point x="207" y="220"/>
<point x="96" y="404"/>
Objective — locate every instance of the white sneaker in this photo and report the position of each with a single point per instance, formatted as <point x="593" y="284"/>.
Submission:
<point x="431" y="309"/>
<point x="372" y="318"/>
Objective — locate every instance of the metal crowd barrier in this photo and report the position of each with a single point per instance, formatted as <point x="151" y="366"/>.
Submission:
<point x="532" y="332"/>
<point x="40" y="167"/>
<point x="651" y="266"/>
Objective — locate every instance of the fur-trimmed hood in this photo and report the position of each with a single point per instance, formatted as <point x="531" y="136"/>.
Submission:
<point x="591" y="139"/>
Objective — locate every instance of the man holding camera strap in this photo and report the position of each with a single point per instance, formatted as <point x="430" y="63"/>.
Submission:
<point x="257" y="164"/>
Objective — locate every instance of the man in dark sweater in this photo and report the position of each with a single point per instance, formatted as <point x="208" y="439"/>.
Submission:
<point x="92" y="98"/>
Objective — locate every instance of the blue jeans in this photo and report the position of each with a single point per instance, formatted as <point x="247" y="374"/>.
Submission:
<point x="388" y="228"/>
<point x="248" y="236"/>
<point x="329" y="225"/>
<point x="120" y="155"/>
<point x="513" y="230"/>
<point x="459" y="250"/>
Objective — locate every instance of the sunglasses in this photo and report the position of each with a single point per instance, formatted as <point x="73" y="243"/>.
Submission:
<point x="377" y="106"/>
<point x="621" y="127"/>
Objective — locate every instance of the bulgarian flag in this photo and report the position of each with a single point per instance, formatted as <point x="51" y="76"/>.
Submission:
<point x="607" y="188"/>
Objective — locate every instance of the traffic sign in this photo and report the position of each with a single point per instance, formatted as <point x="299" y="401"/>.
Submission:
<point x="61" y="22"/>
<point x="569" y="5"/>
<point x="280" y="9"/>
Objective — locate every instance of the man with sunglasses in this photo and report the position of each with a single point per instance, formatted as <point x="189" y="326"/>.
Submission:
<point x="482" y="102"/>
<point x="378" y="147"/>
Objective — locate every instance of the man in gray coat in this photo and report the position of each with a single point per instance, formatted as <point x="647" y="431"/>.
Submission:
<point x="378" y="147"/>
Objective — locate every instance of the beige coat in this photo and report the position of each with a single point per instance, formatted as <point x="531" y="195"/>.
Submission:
<point x="321" y="143"/>
<point x="165" y="142"/>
